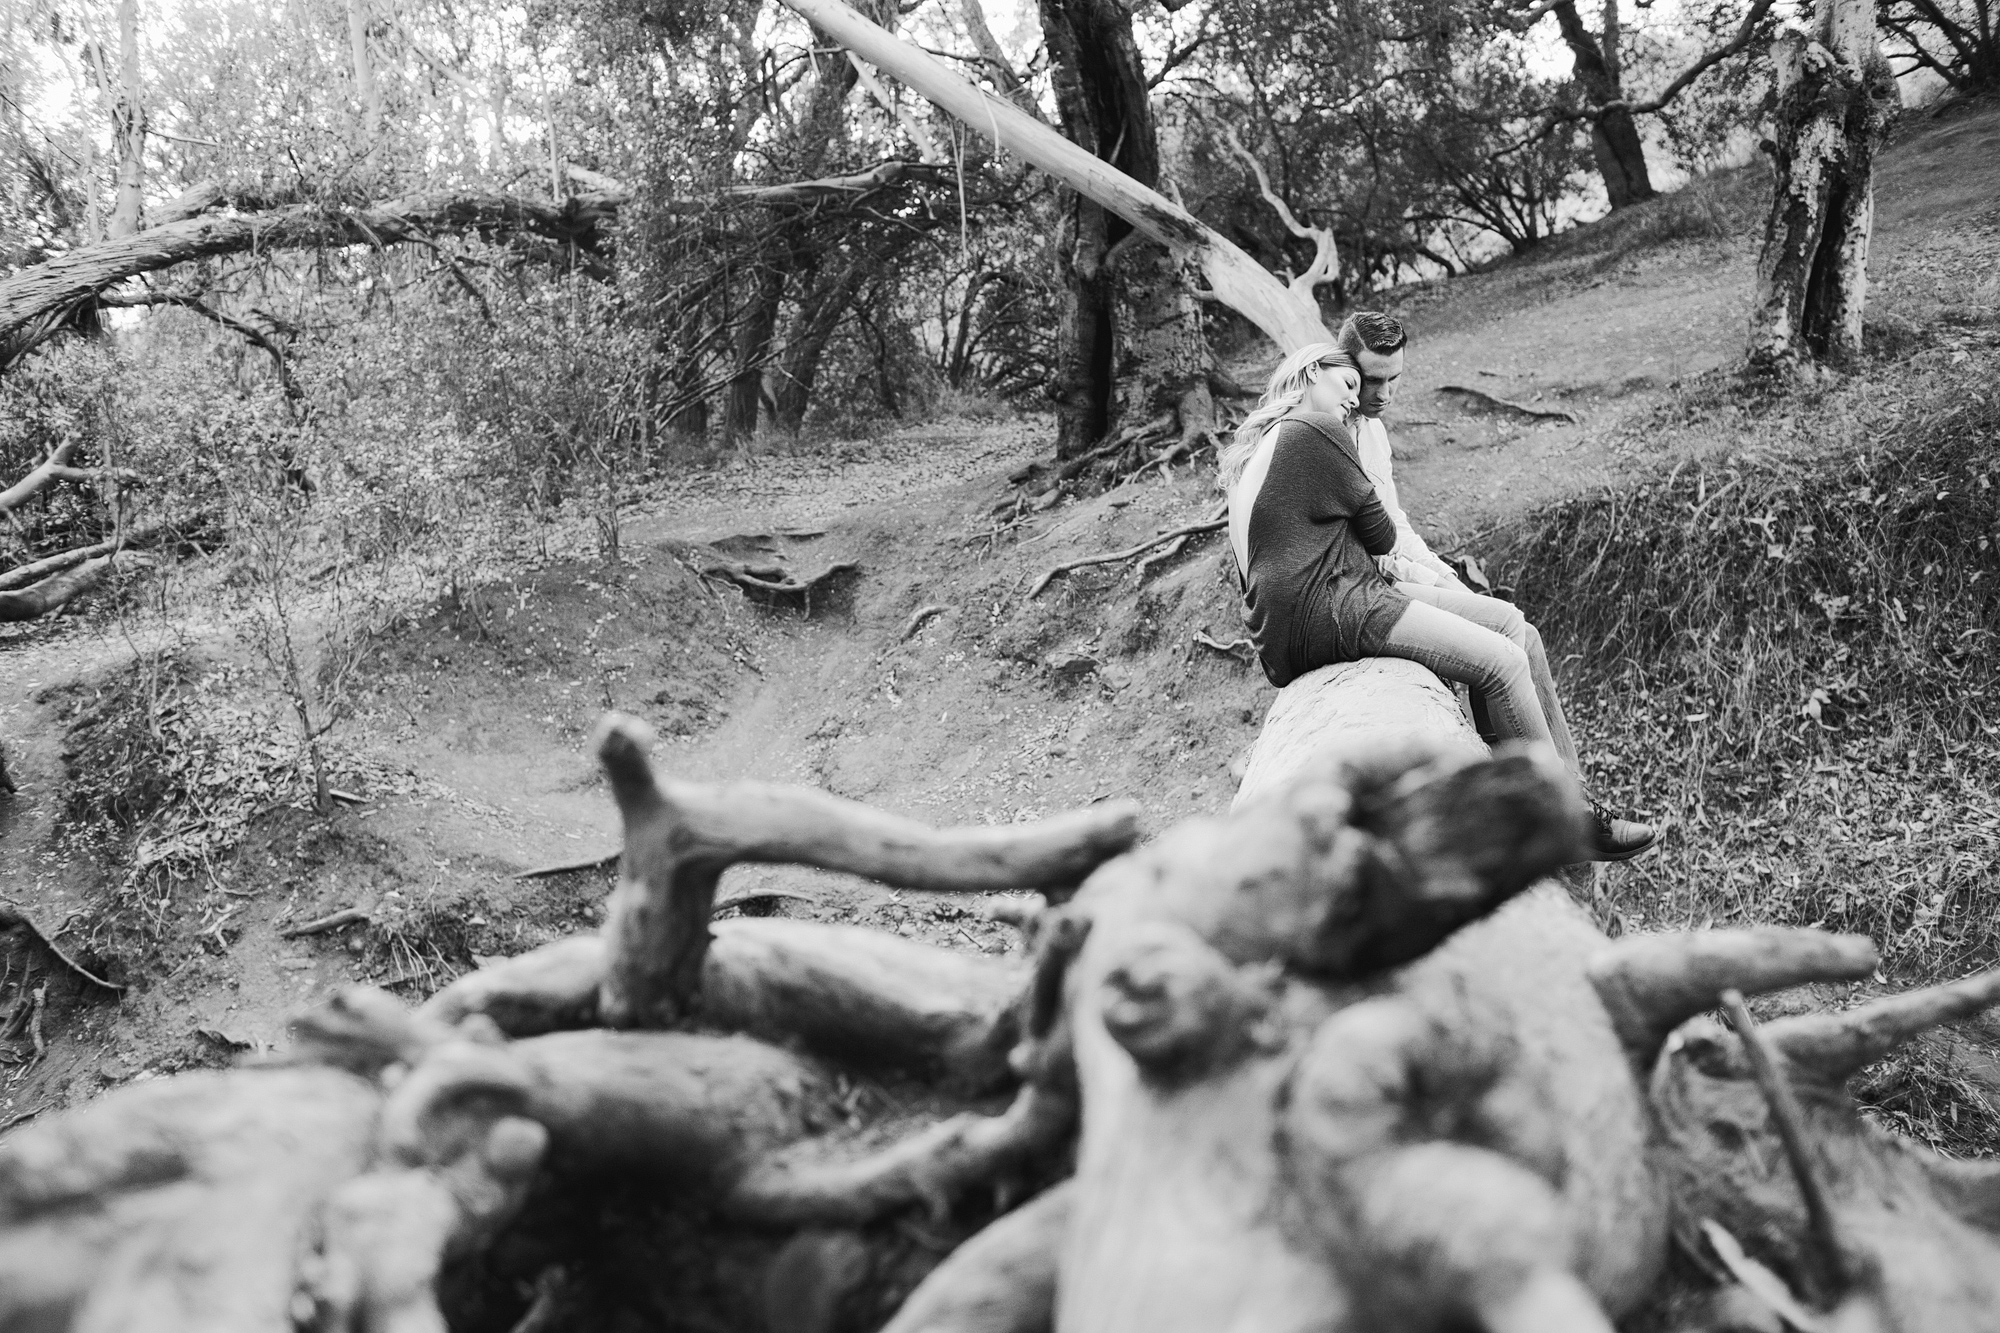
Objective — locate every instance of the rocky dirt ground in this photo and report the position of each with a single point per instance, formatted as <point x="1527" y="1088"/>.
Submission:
<point x="929" y="683"/>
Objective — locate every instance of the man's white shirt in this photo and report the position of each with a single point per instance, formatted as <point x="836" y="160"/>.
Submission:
<point x="1412" y="560"/>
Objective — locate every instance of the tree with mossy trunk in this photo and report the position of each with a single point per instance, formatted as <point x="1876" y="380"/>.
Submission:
<point x="1835" y="95"/>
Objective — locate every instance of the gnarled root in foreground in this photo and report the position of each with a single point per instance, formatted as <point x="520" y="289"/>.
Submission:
<point x="1919" y="1234"/>
<point x="1003" y="1280"/>
<point x="930" y="1168"/>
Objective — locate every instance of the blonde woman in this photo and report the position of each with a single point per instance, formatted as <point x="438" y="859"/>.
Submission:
<point x="1306" y="525"/>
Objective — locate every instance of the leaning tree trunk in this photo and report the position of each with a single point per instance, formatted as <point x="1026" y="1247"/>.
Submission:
<point x="37" y="299"/>
<point x="128" y="135"/>
<point x="1835" y="94"/>
<point x="1288" y="318"/>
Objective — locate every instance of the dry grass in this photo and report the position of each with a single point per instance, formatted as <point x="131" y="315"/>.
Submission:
<point x="1788" y="651"/>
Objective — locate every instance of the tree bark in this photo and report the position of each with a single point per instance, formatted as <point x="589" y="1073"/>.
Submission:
<point x="1130" y="347"/>
<point x="1835" y="95"/>
<point x="128" y="124"/>
<point x="755" y="333"/>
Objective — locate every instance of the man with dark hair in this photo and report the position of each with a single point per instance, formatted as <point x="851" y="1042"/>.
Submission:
<point x="1376" y="342"/>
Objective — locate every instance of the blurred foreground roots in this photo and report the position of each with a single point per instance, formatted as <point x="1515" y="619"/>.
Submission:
<point x="1344" y="1059"/>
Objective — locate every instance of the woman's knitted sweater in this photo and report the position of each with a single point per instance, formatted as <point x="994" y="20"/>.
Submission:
<point x="1312" y="593"/>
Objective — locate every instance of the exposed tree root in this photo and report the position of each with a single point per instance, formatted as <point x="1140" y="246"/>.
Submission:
<point x="1243" y="650"/>
<point x="12" y="917"/>
<point x="1212" y="524"/>
<point x="775" y="584"/>
<point x="918" y="619"/>
<point x="1491" y="402"/>
<point x="932" y="1169"/>
<point x="569" y="867"/>
<point x="679" y="838"/>
<point x="1003" y="1280"/>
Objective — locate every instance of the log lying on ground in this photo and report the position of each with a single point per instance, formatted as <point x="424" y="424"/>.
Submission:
<point x="58" y="590"/>
<point x="1355" y="704"/>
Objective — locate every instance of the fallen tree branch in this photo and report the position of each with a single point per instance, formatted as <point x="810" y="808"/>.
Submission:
<point x="250" y="333"/>
<point x="1508" y="405"/>
<point x="22" y="575"/>
<point x="57" y="591"/>
<point x="34" y="301"/>
<point x="14" y="917"/>
<point x="1206" y="525"/>
<point x="346" y="916"/>
<point x="40" y="478"/>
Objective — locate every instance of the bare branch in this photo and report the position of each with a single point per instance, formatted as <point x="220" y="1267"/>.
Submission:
<point x="1745" y="32"/>
<point x="1325" y="264"/>
<point x="250" y="333"/>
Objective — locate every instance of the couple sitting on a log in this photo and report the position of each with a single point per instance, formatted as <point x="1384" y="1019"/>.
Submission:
<point x="1331" y="570"/>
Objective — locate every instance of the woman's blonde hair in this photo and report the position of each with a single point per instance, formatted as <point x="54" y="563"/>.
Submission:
<point x="1285" y="391"/>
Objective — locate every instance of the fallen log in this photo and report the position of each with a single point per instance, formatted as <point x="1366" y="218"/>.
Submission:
<point x="146" y="534"/>
<point x="58" y="590"/>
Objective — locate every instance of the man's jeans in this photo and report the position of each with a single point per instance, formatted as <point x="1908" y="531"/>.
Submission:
<point x="1490" y="646"/>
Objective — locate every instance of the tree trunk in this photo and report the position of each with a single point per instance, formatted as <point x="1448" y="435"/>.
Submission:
<point x="754" y="335"/>
<point x="1621" y="158"/>
<point x="128" y="124"/>
<point x="367" y="91"/>
<point x="1835" y="95"/>
<point x="1130" y="349"/>
<point x="819" y="314"/>
<point x="1614" y="135"/>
